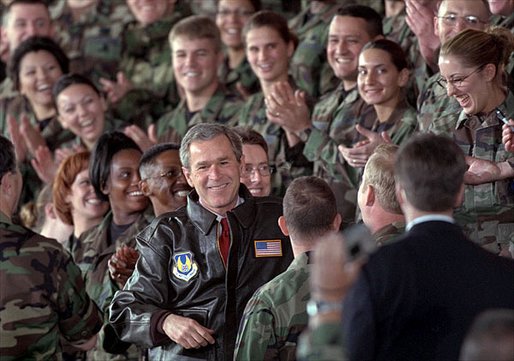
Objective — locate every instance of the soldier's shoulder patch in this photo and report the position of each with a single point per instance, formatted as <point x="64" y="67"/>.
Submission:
<point x="185" y="267"/>
<point x="268" y="248"/>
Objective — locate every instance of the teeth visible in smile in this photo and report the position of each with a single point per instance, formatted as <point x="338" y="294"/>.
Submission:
<point x="265" y="66"/>
<point x="93" y="201"/>
<point x="43" y="87"/>
<point x="232" y="31"/>
<point x="86" y="123"/>
<point x="343" y="60"/>
<point x="135" y="194"/>
<point x="217" y="188"/>
<point x="191" y="74"/>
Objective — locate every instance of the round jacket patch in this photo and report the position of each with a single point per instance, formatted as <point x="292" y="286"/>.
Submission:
<point x="185" y="267"/>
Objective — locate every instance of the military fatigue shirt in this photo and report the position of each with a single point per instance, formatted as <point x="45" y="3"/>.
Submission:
<point x="42" y="296"/>
<point x="437" y="112"/>
<point x="389" y="233"/>
<point x="309" y="66"/>
<point x="323" y="343"/>
<point x="93" y="43"/>
<point x="222" y="108"/>
<point x="276" y="315"/>
<point x="97" y="250"/>
<point x="242" y="74"/>
<point x="487" y="214"/>
<point x="333" y="122"/>
<point x="289" y="162"/>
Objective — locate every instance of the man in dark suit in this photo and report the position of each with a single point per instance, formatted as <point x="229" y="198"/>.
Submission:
<point x="415" y="299"/>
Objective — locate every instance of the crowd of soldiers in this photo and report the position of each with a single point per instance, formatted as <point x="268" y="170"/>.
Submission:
<point x="100" y="99"/>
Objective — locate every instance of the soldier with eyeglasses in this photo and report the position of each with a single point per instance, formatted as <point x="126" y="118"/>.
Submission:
<point x="437" y="112"/>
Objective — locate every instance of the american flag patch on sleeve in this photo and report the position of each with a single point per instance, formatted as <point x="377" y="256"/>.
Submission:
<point x="268" y="248"/>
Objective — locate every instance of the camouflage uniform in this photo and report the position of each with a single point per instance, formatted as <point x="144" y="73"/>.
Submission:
<point x="222" y="108"/>
<point x="146" y="61"/>
<point x="333" y="122"/>
<point x="97" y="250"/>
<point x="275" y="315"/>
<point x="309" y="66"/>
<point x="506" y="22"/>
<point x="289" y="162"/>
<point x="323" y="343"/>
<point x="437" y="112"/>
<point x="94" y="42"/>
<point x="52" y="302"/>
<point x="7" y="89"/>
<point x="51" y="131"/>
<point x="487" y="214"/>
<point x="242" y="74"/>
<point x="389" y="233"/>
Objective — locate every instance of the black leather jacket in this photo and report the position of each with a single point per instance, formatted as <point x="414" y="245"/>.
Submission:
<point x="181" y="271"/>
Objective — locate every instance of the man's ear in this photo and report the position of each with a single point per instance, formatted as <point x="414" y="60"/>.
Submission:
<point x="143" y="186"/>
<point x="283" y="225"/>
<point x="187" y="174"/>
<point x="336" y="223"/>
<point x="369" y="194"/>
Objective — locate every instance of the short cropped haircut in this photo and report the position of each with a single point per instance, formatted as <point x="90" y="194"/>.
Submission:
<point x="309" y="207"/>
<point x="7" y="12"/>
<point x="197" y="27"/>
<point x="32" y="45"/>
<point x="71" y="79"/>
<point x="275" y="21"/>
<point x="252" y="137"/>
<point x="7" y="156"/>
<point x="430" y="168"/>
<point x="106" y="147"/>
<point x="369" y="15"/>
<point x="256" y="4"/>
<point x="208" y="131"/>
<point x="148" y="158"/>
<point x="66" y="175"/>
<point x="379" y="173"/>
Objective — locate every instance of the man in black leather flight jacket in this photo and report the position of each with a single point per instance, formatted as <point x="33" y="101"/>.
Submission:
<point x="181" y="271"/>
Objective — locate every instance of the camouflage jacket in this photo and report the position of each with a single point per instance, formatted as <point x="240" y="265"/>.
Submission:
<point x="389" y="233"/>
<point x="289" y="162"/>
<point x="43" y="297"/>
<point x="437" y="112"/>
<point x="400" y="125"/>
<point x="93" y="43"/>
<point x="323" y="343"/>
<point x="146" y="61"/>
<point x="276" y="315"/>
<point x="97" y="250"/>
<point x="7" y="88"/>
<point x="333" y="123"/>
<point x="242" y="74"/>
<point x="487" y="214"/>
<point x="309" y="66"/>
<point x="222" y="108"/>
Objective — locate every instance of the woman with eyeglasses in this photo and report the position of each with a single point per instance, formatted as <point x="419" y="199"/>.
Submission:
<point x="256" y="173"/>
<point x="269" y="47"/>
<point x="472" y="66"/>
<point x="235" y="72"/>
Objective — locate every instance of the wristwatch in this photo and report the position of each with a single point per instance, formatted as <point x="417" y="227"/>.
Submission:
<point x="304" y="134"/>
<point x="315" y="307"/>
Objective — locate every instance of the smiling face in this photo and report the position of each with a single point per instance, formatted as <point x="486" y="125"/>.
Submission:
<point x="122" y="186"/>
<point x="268" y="54"/>
<point x="255" y="157"/>
<point x="473" y="93"/>
<point x="214" y="173"/>
<point x="379" y="81"/>
<point x="26" y="21"/>
<point x="231" y="17"/>
<point x="196" y="63"/>
<point x="166" y="186"/>
<point x="81" y="110"/>
<point x="83" y="200"/>
<point x="148" y="12"/>
<point x="460" y="8"/>
<point x="347" y="35"/>
<point x="39" y="71"/>
<point x="501" y="7"/>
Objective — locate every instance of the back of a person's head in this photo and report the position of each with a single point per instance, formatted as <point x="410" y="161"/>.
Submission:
<point x="369" y="15"/>
<point x="309" y="207"/>
<point x="430" y="169"/>
<point x="379" y="173"/>
<point x="491" y="337"/>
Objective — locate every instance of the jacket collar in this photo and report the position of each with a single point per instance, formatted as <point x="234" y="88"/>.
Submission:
<point x="204" y="220"/>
